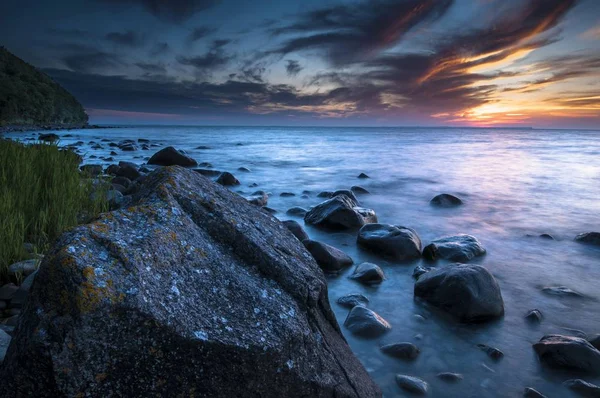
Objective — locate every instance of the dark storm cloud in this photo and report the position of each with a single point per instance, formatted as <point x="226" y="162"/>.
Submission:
<point x="348" y="33"/>
<point x="215" y="58"/>
<point x="293" y="67"/>
<point x="173" y="11"/>
<point x="199" y="33"/>
<point x="128" y="38"/>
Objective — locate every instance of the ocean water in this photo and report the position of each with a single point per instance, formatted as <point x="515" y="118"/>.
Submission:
<point x="514" y="183"/>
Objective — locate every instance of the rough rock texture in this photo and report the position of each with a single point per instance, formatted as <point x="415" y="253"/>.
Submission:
<point x="445" y="200"/>
<point x="190" y="291"/>
<point x="583" y="388"/>
<point x="467" y="291"/>
<point x="568" y="352"/>
<point x="592" y="238"/>
<point x="296" y="229"/>
<point x="401" y="350"/>
<point x="365" y="322"/>
<point x="328" y="257"/>
<point x="170" y="156"/>
<point x="352" y="300"/>
<point x="227" y="179"/>
<point x="391" y="241"/>
<point x="340" y="212"/>
<point x="368" y="273"/>
<point x="412" y="384"/>
<point x="460" y="248"/>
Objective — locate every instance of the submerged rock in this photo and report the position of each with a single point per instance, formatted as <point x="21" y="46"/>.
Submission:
<point x="189" y="290"/>
<point x="534" y="316"/>
<point x="363" y="175"/>
<point x="170" y="156"/>
<point x="466" y="291"/>
<point x="227" y="179"/>
<point x="532" y="393"/>
<point x="259" y="198"/>
<point x="492" y="352"/>
<point x="296" y="211"/>
<point x="365" y="322"/>
<point x="359" y="189"/>
<point x="352" y="300"/>
<point x="450" y="377"/>
<point x="412" y="384"/>
<point x="368" y="273"/>
<point x="391" y="241"/>
<point x="420" y="270"/>
<point x="339" y="212"/>
<point x="446" y="200"/>
<point x="568" y="352"/>
<point x="295" y="228"/>
<point x="592" y="238"/>
<point x="328" y="257"/>
<point x="583" y="388"/>
<point x="461" y="248"/>
<point x="348" y="193"/>
<point x="401" y="350"/>
<point x="561" y="291"/>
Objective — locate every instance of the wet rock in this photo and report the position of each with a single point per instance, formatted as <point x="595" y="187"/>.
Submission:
<point x="205" y="164"/>
<point x="296" y="229"/>
<point x="466" y="291"/>
<point x="287" y="194"/>
<point x="113" y="153"/>
<point x="592" y="238"/>
<point x="534" y="316"/>
<point x="325" y="194"/>
<point x="8" y="291"/>
<point x="532" y="393"/>
<point x="259" y="198"/>
<point x="176" y="285"/>
<point x="568" y="352"/>
<point x="244" y="169"/>
<point x="561" y="291"/>
<point x="269" y="210"/>
<point x="26" y="267"/>
<point x="348" y="193"/>
<point x="420" y="270"/>
<point x="123" y="181"/>
<point x="208" y="172"/>
<point x="359" y="189"/>
<point x="352" y="300"/>
<point x="203" y="147"/>
<point x="296" y="211"/>
<point x="583" y="388"/>
<point x="363" y="175"/>
<point x="339" y="212"/>
<point x="450" y="377"/>
<point x="4" y="343"/>
<point x="50" y="137"/>
<point x="227" y="179"/>
<point x="143" y="140"/>
<point x="92" y="169"/>
<point x="412" y="384"/>
<point x="128" y="170"/>
<point x="461" y="248"/>
<point x="128" y="147"/>
<point x="547" y="237"/>
<point x="492" y="352"/>
<point x="368" y="273"/>
<point x="446" y="200"/>
<point x="365" y="322"/>
<point x="391" y="241"/>
<point x="170" y="156"/>
<point x="595" y="341"/>
<point x="328" y="257"/>
<point x="407" y="351"/>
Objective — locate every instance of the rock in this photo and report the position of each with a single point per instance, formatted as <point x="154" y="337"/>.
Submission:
<point x="339" y="212"/>
<point x="359" y="189"/>
<point x="595" y="341"/>
<point x="115" y="199"/>
<point x="407" y="351"/>
<point x="445" y="200"/>
<point x="296" y="211"/>
<point x="259" y="198"/>
<point x="492" y="352"/>
<point x="391" y="241"/>
<point x="450" y="377"/>
<point x="325" y="194"/>
<point x="363" y="175"/>
<point x="352" y="300"/>
<point x="534" y="316"/>
<point x="461" y="248"/>
<point x="143" y="141"/>
<point x="128" y="147"/>
<point x="592" y="238"/>
<point x="287" y="194"/>
<point x="269" y="210"/>
<point x="203" y="147"/>
<point x="561" y="291"/>
<point x="191" y="289"/>
<point x="364" y="322"/>
<point x="348" y="193"/>
<point x="8" y="291"/>
<point x="547" y="237"/>
<point x="208" y="172"/>
<point x="123" y="181"/>
<point x="368" y="273"/>
<point x="412" y="384"/>
<point x="170" y="156"/>
<point x="21" y="294"/>
<point x="568" y="352"/>
<point x="532" y="393"/>
<point x="205" y="164"/>
<point x="466" y="291"/>
<point x="296" y="229"/>
<point x="420" y="270"/>
<point x="113" y="153"/>
<point x="328" y="257"/>
<point x="92" y="169"/>
<point x="128" y="170"/>
<point x="244" y="169"/>
<point x="26" y="267"/>
<point x="583" y="388"/>
<point x="227" y="179"/>
<point x="4" y="343"/>
<point x="50" y="137"/>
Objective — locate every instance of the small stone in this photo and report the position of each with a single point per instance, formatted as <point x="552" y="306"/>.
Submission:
<point x="412" y="384"/>
<point x="446" y="200"/>
<point x="352" y="300"/>
<point x="359" y="189"/>
<point x="460" y="248"/>
<point x="450" y="377"/>
<point x="534" y="316"/>
<point x="287" y="194"/>
<point x="328" y="257"/>
<point x="296" y="229"/>
<point x="363" y="175"/>
<point x="532" y="393"/>
<point x="407" y="351"/>
<point x="170" y="156"/>
<point x="296" y="211"/>
<point x="26" y="267"/>
<point x="365" y="322"/>
<point x="227" y="179"/>
<point x="420" y="270"/>
<point x="561" y="291"/>
<point x="547" y="237"/>
<point x="395" y="242"/>
<point x="492" y="352"/>
<point x="568" y="352"/>
<point x="259" y="198"/>
<point x="368" y="273"/>
<point x="583" y="388"/>
<point x="244" y="169"/>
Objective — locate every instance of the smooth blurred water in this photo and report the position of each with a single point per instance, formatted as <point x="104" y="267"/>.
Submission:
<point x="513" y="182"/>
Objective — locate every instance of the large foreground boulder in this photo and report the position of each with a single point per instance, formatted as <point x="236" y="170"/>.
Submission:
<point x="170" y="156"/>
<point x="390" y="241"/>
<point x="461" y="248"/>
<point x="466" y="291"/>
<point x="190" y="291"/>
<point x="340" y="212"/>
<point x="568" y="352"/>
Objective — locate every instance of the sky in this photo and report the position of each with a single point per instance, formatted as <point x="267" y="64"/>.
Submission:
<point x="318" y="62"/>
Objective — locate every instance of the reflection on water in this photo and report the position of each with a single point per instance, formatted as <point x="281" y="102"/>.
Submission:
<point x="514" y="183"/>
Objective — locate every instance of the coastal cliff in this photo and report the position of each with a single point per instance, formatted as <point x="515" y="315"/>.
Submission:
<point x="30" y="98"/>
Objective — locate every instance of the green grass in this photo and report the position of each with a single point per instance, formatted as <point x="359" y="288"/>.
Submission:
<point x="42" y="194"/>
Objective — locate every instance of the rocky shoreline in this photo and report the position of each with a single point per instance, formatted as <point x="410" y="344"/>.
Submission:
<point x="173" y="200"/>
<point x="49" y="127"/>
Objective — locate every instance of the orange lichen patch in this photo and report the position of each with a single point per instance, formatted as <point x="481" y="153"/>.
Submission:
<point x="173" y="236"/>
<point x="100" y="227"/>
<point x="100" y="377"/>
<point x="90" y="295"/>
<point x="68" y="261"/>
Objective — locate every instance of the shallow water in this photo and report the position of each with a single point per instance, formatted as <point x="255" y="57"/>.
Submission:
<point x="514" y="183"/>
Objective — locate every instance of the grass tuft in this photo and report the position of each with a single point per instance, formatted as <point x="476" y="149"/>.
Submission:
<point x="42" y="194"/>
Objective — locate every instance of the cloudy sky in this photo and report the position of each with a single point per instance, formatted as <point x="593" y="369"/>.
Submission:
<point x="318" y="62"/>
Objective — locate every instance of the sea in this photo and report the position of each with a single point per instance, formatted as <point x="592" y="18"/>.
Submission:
<point x="516" y="185"/>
